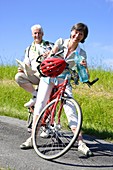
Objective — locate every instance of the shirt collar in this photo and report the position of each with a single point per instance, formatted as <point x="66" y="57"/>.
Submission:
<point x="66" y="43"/>
<point x="33" y="45"/>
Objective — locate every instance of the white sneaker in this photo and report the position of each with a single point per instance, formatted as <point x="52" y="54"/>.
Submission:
<point x="27" y="144"/>
<point x="84" y="149"/>
<point x="29" y="130"/>
<point x="45" y="133"/>
<point x="30" y="103"/>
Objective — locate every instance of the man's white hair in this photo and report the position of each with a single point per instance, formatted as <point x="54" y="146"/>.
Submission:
<point x="37" y="26"/>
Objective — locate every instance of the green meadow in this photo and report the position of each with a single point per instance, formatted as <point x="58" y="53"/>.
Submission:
<point x="96" y="101"/>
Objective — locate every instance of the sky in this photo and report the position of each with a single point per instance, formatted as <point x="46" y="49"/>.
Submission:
<point x="57" y="18"/>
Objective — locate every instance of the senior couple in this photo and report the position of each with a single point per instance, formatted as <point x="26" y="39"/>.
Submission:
<point x="39" y="46"/>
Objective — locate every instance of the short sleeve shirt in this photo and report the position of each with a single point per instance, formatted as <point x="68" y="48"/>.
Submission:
<point x="34" y="51"/>
<point x="63" y="44"/>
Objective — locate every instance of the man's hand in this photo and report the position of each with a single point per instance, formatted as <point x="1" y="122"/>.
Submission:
<point x="45" y="55"/>
<point x="20" y="70"/>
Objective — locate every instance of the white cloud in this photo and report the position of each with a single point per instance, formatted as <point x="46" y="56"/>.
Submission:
<point x="108" y="48"/>
<point x="100" y="55"/>
<point x="110" y="1"/>
<point x="108" y="63"/>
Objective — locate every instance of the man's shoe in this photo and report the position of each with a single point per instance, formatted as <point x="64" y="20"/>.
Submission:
<point x="30" y="103"/>
<point x="84" y="149"/>
<point x="45" y="133"/>
<point x="28" y="144"/>
<point x="29" y="130"/>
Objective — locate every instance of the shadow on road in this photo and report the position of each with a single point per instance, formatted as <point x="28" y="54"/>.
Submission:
<point x="102" y="155"/>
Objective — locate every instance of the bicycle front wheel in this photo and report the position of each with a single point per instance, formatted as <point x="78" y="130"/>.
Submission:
<point x="60" y="138"/>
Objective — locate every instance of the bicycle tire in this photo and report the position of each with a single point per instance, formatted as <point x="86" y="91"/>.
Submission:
<point x="59" y="141"/>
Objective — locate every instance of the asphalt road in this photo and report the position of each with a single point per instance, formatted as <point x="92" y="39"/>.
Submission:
<point x="14" y="131"/>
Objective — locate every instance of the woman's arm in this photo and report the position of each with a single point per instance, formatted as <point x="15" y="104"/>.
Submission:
<point x="53" y="51"/>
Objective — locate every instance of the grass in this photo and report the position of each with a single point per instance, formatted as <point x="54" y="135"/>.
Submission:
<point x="5" y="169"/>
<point x="96" y="102"/>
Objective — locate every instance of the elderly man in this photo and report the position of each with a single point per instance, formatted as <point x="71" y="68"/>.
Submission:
<point x="38" y="47"/>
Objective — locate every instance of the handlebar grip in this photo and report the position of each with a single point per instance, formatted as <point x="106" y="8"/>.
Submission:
<point x="90" y="83"/>
<point x="94" y="81"/>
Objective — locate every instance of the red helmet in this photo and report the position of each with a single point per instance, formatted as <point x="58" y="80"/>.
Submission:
<point x="52" y="67"/>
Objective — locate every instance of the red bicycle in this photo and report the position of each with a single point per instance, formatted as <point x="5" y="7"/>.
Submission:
<point x="53" y="119"/>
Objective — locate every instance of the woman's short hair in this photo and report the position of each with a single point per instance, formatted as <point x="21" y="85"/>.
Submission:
<point x="37" y="26"/>
<point x="81" y="27"/>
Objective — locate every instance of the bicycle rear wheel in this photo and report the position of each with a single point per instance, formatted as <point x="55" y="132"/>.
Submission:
<point x="60" y="137"/>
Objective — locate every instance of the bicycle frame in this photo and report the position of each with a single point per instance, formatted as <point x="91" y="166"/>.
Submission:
<point x="61" y="87"/>
<point x="56" y="94"/>
<point x="53" y="118"/>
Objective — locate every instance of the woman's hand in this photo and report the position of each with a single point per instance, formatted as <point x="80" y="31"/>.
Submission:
<point x="84" y="63"/>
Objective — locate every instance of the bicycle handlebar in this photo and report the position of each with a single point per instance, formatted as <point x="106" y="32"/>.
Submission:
<point x="37" y="60"/>
<point x="41" y="74"/>
<point x="53" y="54"/>
<point x="90" y="83"/>
<point x="74" y="76"/>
